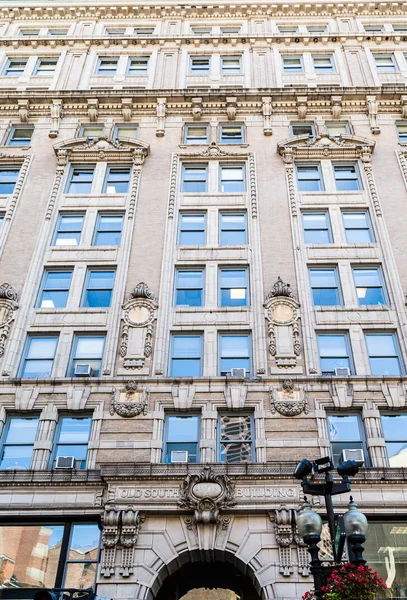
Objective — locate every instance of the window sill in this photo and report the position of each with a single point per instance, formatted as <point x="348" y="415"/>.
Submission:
<point x="71" y="311"/>
<point x="354" y="308"/>
<point x="341" y="246"/>
<point x="211" y="309"/>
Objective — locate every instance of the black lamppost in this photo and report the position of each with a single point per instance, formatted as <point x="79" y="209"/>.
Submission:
<point x="351" y="526"/>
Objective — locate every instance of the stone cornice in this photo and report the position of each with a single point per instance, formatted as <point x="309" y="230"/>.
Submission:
<point x="27" y="10"/>
<point x="389" y="99"/>
<point x="347" y="147"/>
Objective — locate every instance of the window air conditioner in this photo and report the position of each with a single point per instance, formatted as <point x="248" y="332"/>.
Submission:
<point x="179" y="456"/>
<point x="355" y="454"/>
<point x="83" y="371"/>
<point x="65" y="462"/>
<point x="342" y="372"/>
<point x="238" y="372"/>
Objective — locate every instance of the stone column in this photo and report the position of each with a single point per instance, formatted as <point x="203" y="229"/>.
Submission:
<point x="94" y="437"/>
<point x="45" y="437"/>
<point x="208" y="435"/>
<point x="374" y="434"/>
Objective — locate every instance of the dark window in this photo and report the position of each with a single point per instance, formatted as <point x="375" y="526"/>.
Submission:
<point x="231" y="133"/>
<point x="20" y="135"/>
<point x="199" y="65"/>
<point x="303" y="129"/>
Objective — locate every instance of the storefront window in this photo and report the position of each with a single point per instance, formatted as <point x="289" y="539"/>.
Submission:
<point x="47" y="556"/>
<point x="386" y="553"/>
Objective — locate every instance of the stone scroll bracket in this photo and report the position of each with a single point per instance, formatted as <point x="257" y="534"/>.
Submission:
<point x="285" y="529"/>
<point x="121" y="527"/>
<point x="8" y="306"/>
<point x="207" y="495"/>
<point x="139" y="314"/>
<point x="282" y="316"/>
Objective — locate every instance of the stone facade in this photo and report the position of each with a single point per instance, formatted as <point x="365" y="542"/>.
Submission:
<point x="182" y="187"/>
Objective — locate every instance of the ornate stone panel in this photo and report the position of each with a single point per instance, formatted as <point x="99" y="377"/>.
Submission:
<point x="138" y="317"/>
<point x="289" y="401"/>
<point x="282" y="314"/>
<point x="8" y="305"/>
<point x="131" y="402"/>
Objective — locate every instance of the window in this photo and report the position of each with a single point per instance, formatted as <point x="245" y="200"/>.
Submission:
<point x="288" y="30"/>
<point x="189" y="288"/>
<point x="98" y="289"/>
<point x="194" y="178"/>
<point x="385" y="551"/>
<point x="369" y="286"/>
<point x="201" y="30"/>
<point x="333" y="352"/>
<point x="15" y="67"/>
<point x="87" y="351"/>
<point x="20" y="135"/>
<point x="108" y="230"/>
<point x="317" y="29"/>
<point x="402" y="131"/>
<point x="57" y="31"/>
<point x="373" y="28"/>
<point x="138" y="65"/>
<point x="335" y="129"/>
<point x="72" y="440"/>
<point x="92" y="132"/>
<point x="323" y="64"/>
<point x="230" y="30"/>
<point x="385" y="63"/>
<point x="199" y="65"/>
<point x="181" y="439"/>
<point x="236" y="438"/>
<point x="233" y="287"/>
<point x="196" y="134"/>
<point x="39" y="356"/>
<point x="395" y="434"/>
<point x="233" y="229"/>
<point x="116" y="31"/>
<point x="37" y="557"/>
<point x="383" y="354"/>
<point x="357" y="227"/>
<point x="18" y="445"/>
<point x="29" y="32"/>
<point x="292" y="64"/>
<point x="400" y="28"/>
<point x="234" y="353"/>
<point x="54" y="289"/>
<point x="45" y="66"/>
<point x="231" y="133"/>
<point x="126" y="131"/>
<point x="317" y="228"/>
<point x="231" y="65"/>
<point x="68" y="231"/>
<point x="107" y="66"/>
<point x="347" y="178"/>
<point x="1" y="219"/>
<point x="143" y="30"/>
<point x="309" y="178"/>
<point x="191" y="230"/>
<point x="80" y="181"/>
<point x="325" y="287"/>
<point x="232" y="178"/>
<point x="345" y="433"/>
<point x="8" y="179"/>
<point x="303" y="129"/>
<point x="186" y="360"/>
<point x="117" y="180"/>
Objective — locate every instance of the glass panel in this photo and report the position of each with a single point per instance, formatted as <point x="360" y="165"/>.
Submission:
<point x="182" y="429"/>
<point x="196" y="133"/>
<point x="56" y="289"/>
<point x="84" y="543"/>
<point x="338" y="447"/>
<point x="302" y="129"/>
<point x="8" y="178"/>
<point x="194" y="179"/>
<point x="22" y="430"/>
<point x="233" y="286"/>
<point x="332" y="345"/>
<point x="309" y="179"/>
<point x="71" y="223"/>
<point x="192" y="230"/>
<point x="232" y="134"/>
<point x="343" y="428"/>
<point x="235" y="345"/>
<point x="233" y="229"/>
<point x="381" y="345"/>
<point x="192" y="450"/>
<point x="394" y="427"/>
<point x="75" y="430"/>
<point x="128" y="131"/>
<point x="397" y="453"/>
<point x="37" y="368"/>
<point x="29" y="555"/>
<point x="80" y="575"/>
<point x="235" y="439"/>
<point x="78" y="451"/>
<point x="89" y="347"/>
<point x="186" y="367"/>
<point x="16" y="457"/>
<point x="336" y="129"/>
<point x="324" y="288"/>
<point x="42" y="347"/>
<point x="385" y="366"/>
<point x="186" y="346"/>
<point x="386" y="553"/>
<point x="21" y="136"/>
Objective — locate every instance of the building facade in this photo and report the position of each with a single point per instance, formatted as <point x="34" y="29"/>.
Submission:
<point x="202" y="281"/>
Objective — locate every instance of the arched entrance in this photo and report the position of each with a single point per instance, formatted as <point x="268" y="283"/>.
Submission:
<point x="199" y="575"/>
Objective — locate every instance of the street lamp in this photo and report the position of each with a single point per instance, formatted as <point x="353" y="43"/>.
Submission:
<point x="352" y="525"/>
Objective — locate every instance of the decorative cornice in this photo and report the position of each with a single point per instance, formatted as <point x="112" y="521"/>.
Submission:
<point x="323" y="146"/>
<point x="81" y="149"/>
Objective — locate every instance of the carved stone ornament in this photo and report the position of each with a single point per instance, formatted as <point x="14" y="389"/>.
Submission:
<point x="8" y="305"/>
<point x="284" y="538"/>
<point x="120" y="531"/>
<point x="131" y="402"/>
<point x="196" y="108"/>
<point x="282" y="314"/>
<point x="207" y="494"/>
<point x="138" y="316"/>
<point x="288" y="401"/>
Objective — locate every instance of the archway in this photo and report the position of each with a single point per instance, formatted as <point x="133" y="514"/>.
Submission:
<point x="214" y="575"/>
